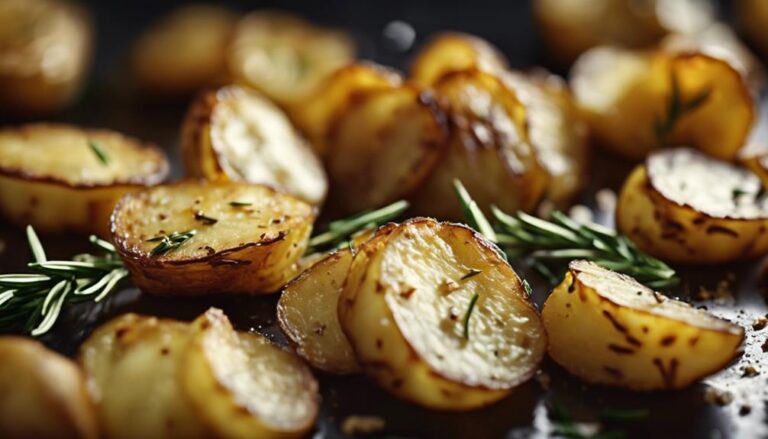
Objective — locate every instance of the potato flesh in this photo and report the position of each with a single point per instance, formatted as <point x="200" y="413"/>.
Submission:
<point x="129" y="359"/>
<point x="455" y="51"/>
<point x="402" y="309"/>
<point x="247" y="249"/>
<point x="307" y="315"/>
<point x="244" y="387"/>
<point x="662" y="208"/>
<point x="630" y="336"/>
<point x="43" y="394"/>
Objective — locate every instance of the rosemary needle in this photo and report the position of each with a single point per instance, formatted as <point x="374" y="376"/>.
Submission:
<point x="98" y="152"/>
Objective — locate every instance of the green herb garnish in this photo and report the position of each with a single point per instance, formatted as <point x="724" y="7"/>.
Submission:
<point x="468" y="314"/>
<point x="240" y="203"/>
<point x="677" y="108"/>
<point x="169" y="243"/>
<point x="472" y="273"/>
<point x="207" y="220"/>
<point x="566" y="427"/>
<point x="32" y="302"/>
<point x="98" y="152"/>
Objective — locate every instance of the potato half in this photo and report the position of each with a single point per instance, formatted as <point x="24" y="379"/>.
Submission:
<point x="753" y="17"/>
<point x="45" y="52"/>
<point x="64" y="178"/>
<point x="437" y="317"/>
<point x="636" y="102"/>
<point x="185" y="50"/>
<point x="488" y="149"/>
<point x="671" y="209"/>
<point x="133" y="368"/>
<point x="245" y="387"/>
<point x="236" y="134"/>
<point x="194" y="238"/>
<point x="307" y="314"/>
<point x="42" y="394"/>
<point x="607" y="328"/>
<point x="454" y="51"/>
<point x="285" y="56"/>
<point x="383" y="145"/>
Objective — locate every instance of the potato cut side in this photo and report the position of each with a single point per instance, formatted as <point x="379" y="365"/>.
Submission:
<point x="133" y="370"/>
<point x="437" y="317"/>
<point x="636" y="102"/>
<point x="489" y="149"/>
<point x="284" y="56"/>
<point x="43" y="394"/>
<point x="606" y="328"/>
<point x="243" y="386"/>
<point x="45" y="52"/>
<point x="236" y="134"/>
<point x="455" y="51"/>
<point x="211" y="237"/>
<point x="185" y="50"/>
<point x="383" y="146"/>
<point x="671" y="209"/>
<point x="64" y="178"/>
<point x="307" y="314"/>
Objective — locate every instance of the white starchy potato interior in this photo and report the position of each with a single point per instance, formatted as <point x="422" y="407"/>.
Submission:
<point x="421" y="273"/>
<point x="255" y="142"/>
<point x="601" y="76"/>
<point x="711" y="186"/>
<point x="62" y="153"/>
<point x="169" y="209"/>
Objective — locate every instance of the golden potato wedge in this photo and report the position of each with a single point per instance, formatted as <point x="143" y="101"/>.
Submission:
<point x="245" y="387"/>
<point x="753" y="17"/>
<point x="607" y="328"/>
<point x="307" y="314"/>
<point x="194" y="238"/>
<point x="488" y="149"/>
<point x="45" y="52"/>
<point x="383" y="145"/>
<point x="133" y="369"/>
<point x="42" y="394"/>
<point x="63" y="178"/>
<point x="454" y="51"/>
<point x="236" y="134"/>
<point x="184" y="51"/>
<point x="636" y="102"/>
<point x="316" y="114"/>
<point x="437" y="317"/>
<point x="284" y="56"/>
<point x="682" y="206"/>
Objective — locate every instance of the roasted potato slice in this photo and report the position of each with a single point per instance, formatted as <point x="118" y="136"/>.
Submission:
<point x="194" y="238"/>
<point x="133" y="368"/>
<point x="437" y="317"/>
<point x="284" y="56"/>
<point x="753" y="17"/>
<point x="631" y="336"/>
<point x="488" y="149"/>
<point x="45" y="52"/>
<point x="636" y="102"/>
<point x="185" y="50"/>
<point x="455" y="51"/>
<point x="671" y="209"/>
<point x="42" y="394"/>
<point x="236" y="134"/>
<point x="316" y="114"/>
<point x="63" y="178"/>
<point x="245" y="387"/>
<point x="383" y="146"/>
<point x="307" y="314"/>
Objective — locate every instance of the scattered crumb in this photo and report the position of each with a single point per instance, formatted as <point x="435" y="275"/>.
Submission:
<point x="581" y="213"/>
<point x="716" y="396"/>
<point x="449" y="286"/>
<point x="606" y="200"/>
<point x="545" y="209"/>
<point x="765" y="345"/>
<point x="760" y="323"/>
<point x="721" y="294"/>
<point x="750" y="371"/>
<point x="543" y="379"/>
<point x="745" y="410"/>
<point x="357" y="424"/>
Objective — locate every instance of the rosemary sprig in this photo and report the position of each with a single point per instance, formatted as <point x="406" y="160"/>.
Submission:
<point x="548" y="246"/>
<point x="98" y="152"/>
<point x="169" y="243"/>
<point x="566" y="427"/>
<point x="677" y="107"/>
<point x="240" y="203"/>
<point x="468" y="314"/>
<point x="340" y="230"/>
<point x="32" y="302"/>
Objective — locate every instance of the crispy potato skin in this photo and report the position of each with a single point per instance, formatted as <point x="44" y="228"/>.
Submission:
<point x="753" y="16"/>
<point x="42" y="394"/>
<point x="390" y="347"/>
<point x="57" y="192"/>
<point x="307" y="314"/>
<point x="627" y="346"/>
<point x="454" y="51"/>
<point x="625" y="95"/>
<point x="679" y="233"/>
<point x="32" y="83"/>
<point x="249" y="250"/>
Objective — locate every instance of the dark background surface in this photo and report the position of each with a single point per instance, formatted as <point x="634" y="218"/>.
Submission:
<point x="111" y="101"/>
